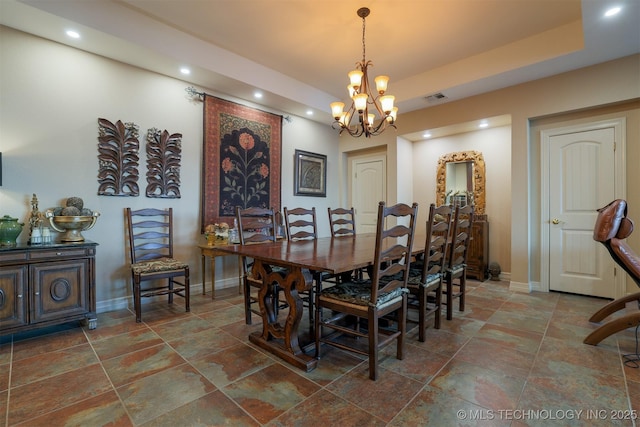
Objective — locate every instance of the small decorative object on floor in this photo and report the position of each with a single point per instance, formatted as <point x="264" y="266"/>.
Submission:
<point x="494" y="271"/>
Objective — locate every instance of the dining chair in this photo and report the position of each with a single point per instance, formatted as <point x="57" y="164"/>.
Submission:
<point x="150" y="234"/>
<point x="372" y="299"/>
<point x="342" y="223"/>
<point x="300" y="224"/>
<point x="426" y="273"/>
<point x="456" y="270"/>
<point x="256" y="226"/>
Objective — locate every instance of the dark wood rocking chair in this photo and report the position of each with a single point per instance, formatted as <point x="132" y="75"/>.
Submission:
<point x="611" y="229"/>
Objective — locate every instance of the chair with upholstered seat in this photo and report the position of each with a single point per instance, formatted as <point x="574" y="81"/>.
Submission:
<point x="300" y="224"/>
<point x="426" y="274"/>
<point x="373" y="299"/>
<point x="612" y="229"/>
<point x="256" y="226"/>
<point x="151" y="247"/>
<point x="456" y="271"/>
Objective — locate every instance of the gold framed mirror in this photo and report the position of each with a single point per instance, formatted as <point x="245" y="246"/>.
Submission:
<point x="477" y="178"/>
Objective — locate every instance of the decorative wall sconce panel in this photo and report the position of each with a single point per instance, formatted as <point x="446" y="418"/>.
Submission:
<point x="118" y="148"/>
<point x="164" y="153"/>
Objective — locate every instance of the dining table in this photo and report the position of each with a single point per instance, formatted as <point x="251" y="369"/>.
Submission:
<point x="333" y="255"/>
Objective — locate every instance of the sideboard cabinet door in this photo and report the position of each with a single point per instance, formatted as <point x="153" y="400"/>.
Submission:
<point x="58" y="289"/>
<point x="13" y="297"/>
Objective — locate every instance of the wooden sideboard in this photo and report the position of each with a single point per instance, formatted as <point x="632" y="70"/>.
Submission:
<point x="478" y="256"/>
<point x="47" y="285"/>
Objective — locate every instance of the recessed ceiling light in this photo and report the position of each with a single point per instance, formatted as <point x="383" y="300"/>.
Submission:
<point x="257" y="95"/>
<point x="483" y="125"/>
<point x="612" y="11"/>
<point x="426" y="135"/>
<point x="73" y="34"/>
<point x="309" y="113"/>
<point x="185" y="70"/>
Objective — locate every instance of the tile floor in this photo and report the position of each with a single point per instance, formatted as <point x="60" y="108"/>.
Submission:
<point x="509" y="359"/>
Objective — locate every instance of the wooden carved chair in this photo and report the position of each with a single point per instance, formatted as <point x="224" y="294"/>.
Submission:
<point x="456" y="271"/>
<point x="427" y="273"/>
<point x="151" y="246"/>
<point x="372" y="299"/>
<point x="342" y="223"/>
<point x="256" y="226"/>
<point x="611" y="229"/>
<point x="300" y="224"/>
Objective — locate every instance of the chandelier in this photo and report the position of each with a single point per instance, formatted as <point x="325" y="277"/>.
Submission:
<point x="370" y="114"/>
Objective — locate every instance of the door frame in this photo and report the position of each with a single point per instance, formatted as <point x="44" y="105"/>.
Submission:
<point x="620" y="189"/>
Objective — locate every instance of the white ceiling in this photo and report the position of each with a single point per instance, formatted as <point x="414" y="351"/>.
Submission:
<point x="298" y="51"/>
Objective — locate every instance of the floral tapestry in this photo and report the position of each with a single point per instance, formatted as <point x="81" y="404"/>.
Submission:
<point x="241" y="160"/>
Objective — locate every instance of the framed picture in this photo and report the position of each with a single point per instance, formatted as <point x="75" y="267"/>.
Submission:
<point x="310" y="176"/>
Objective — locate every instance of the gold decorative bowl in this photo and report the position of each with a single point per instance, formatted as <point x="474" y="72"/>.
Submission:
<point x="72" y="227"/>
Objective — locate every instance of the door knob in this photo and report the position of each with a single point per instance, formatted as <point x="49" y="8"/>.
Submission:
<point x="555" y="221"/>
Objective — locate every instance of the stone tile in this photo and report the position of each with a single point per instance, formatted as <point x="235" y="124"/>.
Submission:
<point x="327" y="409"/>
<point x="102" y="410"/>
<point x="142" y="363"/>
<point x="214" y="409"/>
<point x="489" y="389"/>
<point x="52" y="364"/>
<point x="383" y="398"/>
<point x="192" y="346"/>
<point x="231" y="364"/>
<point x="163" y="391"/>
<point x="488" y="355"/>
<point x="37" y="398"/>
<point x="433" y="407"/>
<point x="269" y="392"/>
<point x="128" y="342"/>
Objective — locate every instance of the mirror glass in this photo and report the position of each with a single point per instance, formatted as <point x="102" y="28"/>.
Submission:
<point x="461" y="179"/>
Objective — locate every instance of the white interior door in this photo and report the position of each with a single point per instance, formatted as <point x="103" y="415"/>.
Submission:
<point x="368" y="188"/>
<point x="581" y="180"/>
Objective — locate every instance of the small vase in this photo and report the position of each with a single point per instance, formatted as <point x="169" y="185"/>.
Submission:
<point x="10" y="229"/>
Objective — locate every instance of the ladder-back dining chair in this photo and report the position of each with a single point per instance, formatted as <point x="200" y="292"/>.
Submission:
<point x="256" y="226"/>
<point x="342" y="223"/>
<point x="151" y="247"/>
<point x="375" y="298"/>
<point x="456" y="271"/>
<point x="426" y="274"/>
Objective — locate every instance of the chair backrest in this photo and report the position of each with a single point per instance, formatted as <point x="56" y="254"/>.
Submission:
<point x="256" y="225"/>
<point x="342" y="222"/>
<point x="611" y="229"/>
<point x="300" y="223"/>
<point x="460" y="236"/>
<point x="437" y="240"/>
<point x="150" y="233"/>
<point x="394" y="244"/>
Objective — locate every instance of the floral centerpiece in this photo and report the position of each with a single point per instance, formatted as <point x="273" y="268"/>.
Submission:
<point x="217" y="234"/>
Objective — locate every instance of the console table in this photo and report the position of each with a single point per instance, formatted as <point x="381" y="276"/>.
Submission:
<point x="47" y="285"/>
<point x="213" y="251"/>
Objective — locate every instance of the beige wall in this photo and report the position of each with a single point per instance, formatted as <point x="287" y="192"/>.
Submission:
<point x="495" y="146"/>
<point x="51" y="97"/>
<point x="587" y="90"/>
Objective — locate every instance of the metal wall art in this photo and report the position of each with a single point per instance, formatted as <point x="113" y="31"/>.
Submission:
<point x="118" y="148"/>
<point x="164" y="152"/>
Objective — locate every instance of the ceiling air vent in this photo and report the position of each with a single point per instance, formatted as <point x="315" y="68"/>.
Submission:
<point x="436" y="97"/>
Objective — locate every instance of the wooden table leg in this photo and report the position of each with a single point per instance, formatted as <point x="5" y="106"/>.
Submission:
<point x="213" y="277"/>
<point x="276" y="338"/>
<point x="204" y="271"/>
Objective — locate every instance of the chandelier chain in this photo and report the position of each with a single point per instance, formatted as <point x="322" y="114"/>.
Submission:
<point x="363" y="40"/>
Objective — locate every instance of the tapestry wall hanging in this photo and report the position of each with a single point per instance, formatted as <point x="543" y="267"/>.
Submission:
<point x="241" y="160"/>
